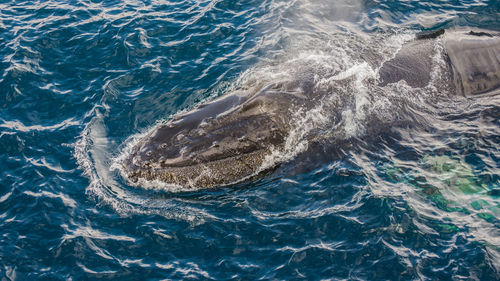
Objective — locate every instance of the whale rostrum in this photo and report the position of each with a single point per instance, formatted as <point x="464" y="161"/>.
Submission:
<point x="228" y="139"/>
<point x="217" y="143"/>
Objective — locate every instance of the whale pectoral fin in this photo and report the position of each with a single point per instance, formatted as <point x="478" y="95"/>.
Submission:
<point x="475" y="62"/>
<point x="413" y="64"/>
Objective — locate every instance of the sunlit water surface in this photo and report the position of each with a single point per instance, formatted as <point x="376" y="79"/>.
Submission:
<point x="404" y="183"/>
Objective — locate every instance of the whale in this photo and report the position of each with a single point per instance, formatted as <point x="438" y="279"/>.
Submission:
<point x="229" y="139"/>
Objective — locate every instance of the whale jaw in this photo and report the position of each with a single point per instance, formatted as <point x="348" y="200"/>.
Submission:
<point x="212" y="160"/>
<point x="202" y="175"/>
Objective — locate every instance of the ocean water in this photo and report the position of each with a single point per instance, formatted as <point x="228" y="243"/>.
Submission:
<point x="81" y="81"/>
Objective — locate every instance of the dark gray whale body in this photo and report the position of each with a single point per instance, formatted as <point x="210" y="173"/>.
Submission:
<point x="227" y="140"/>
<point x="473" y="62"/>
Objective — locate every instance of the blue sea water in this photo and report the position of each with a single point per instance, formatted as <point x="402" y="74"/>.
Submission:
<point x="80" y="81"/>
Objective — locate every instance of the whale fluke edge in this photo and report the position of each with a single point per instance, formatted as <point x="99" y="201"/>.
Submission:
<point x="228" y="139"/>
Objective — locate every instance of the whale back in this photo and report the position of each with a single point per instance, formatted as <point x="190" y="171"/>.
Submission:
<point x="412" y="64"/>
<point x="475" y="61"/>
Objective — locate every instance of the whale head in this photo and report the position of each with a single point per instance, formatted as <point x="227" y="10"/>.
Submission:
<point x="218" y="143"/>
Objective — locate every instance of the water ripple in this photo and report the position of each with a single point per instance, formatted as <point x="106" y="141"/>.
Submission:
<point x="80" y="80"/>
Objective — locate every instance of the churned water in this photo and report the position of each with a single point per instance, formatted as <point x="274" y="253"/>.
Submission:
<point x="81" y="81"/>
